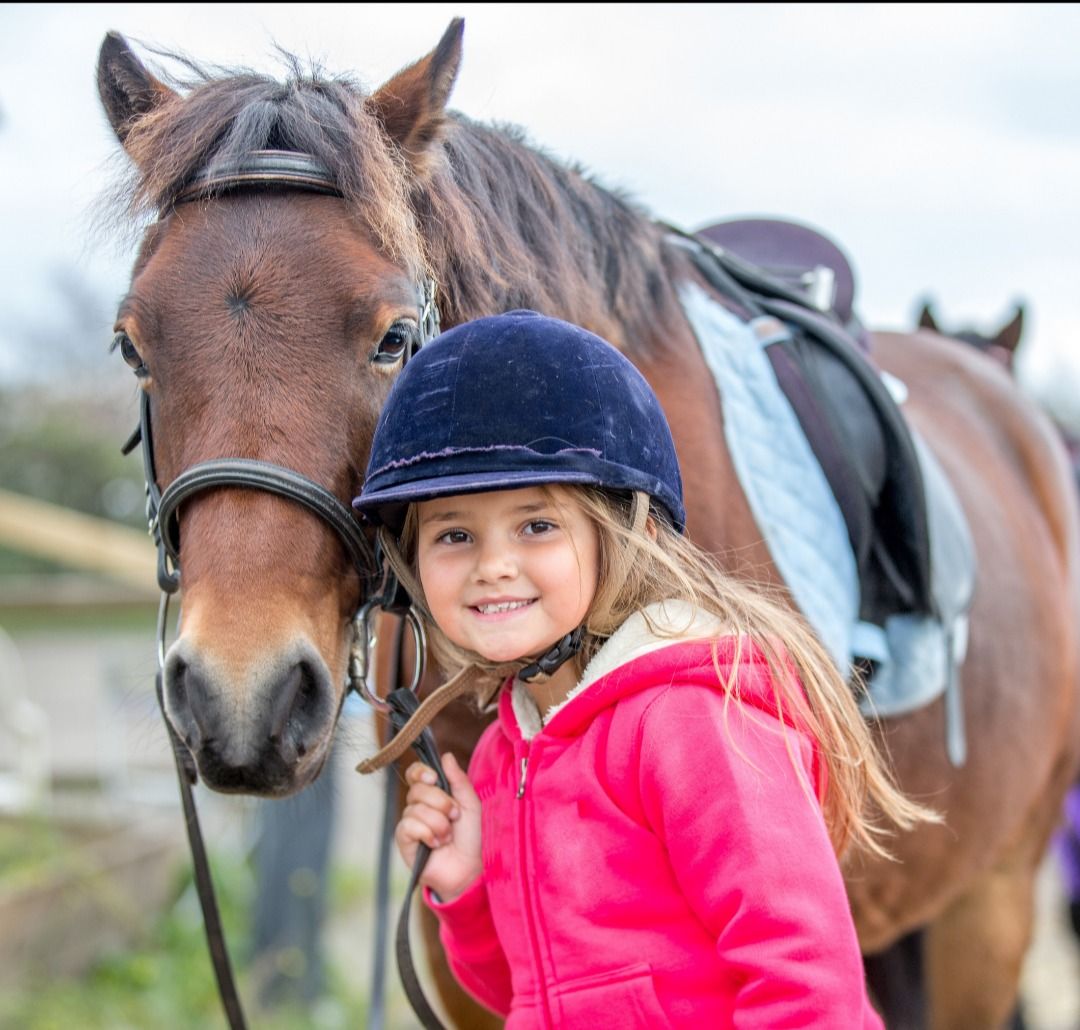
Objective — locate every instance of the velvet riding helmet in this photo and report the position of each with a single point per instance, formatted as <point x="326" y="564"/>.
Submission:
<point x="517" y="400"/>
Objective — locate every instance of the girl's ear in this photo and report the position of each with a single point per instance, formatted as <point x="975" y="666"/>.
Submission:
<point x="650" y="529"/>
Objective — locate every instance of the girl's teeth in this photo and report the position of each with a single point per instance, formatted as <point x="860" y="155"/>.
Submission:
<point x="505" y="606"/>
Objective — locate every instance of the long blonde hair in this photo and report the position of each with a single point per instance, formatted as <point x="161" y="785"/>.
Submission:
<point x="639" y="568"/>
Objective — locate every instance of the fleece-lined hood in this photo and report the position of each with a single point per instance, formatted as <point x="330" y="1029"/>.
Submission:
<point x="658" y="626"/>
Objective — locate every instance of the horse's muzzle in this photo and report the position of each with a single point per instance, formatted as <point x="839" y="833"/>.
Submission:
<point x="266" y="733"/>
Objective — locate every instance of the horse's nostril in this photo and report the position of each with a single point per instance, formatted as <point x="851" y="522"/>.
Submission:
<point x="299" y="705"/>
<point x="176" y="686"/>
<point x="309" y="697"/>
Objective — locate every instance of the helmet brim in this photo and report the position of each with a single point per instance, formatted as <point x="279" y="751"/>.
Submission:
<point x="388" y="506"/>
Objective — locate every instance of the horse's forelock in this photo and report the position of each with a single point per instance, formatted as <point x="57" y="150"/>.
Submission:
<point x="217" y="120"/>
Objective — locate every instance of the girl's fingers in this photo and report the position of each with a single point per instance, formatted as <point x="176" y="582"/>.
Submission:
<point x="433" y="797"/>
<point x="415" y="828"/>
<point x="418" y="772"/>
<point x="437" y="822"/>
<point x="459" y="781"/>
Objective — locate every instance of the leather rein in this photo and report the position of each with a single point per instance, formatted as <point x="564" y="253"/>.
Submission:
<point x="268" y="170"/>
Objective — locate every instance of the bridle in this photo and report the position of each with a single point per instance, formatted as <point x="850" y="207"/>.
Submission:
<point x="257" y="170"/>
<point x="263" y="170"/>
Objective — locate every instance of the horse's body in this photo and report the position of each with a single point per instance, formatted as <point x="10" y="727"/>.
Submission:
<point x="260" y="318"/>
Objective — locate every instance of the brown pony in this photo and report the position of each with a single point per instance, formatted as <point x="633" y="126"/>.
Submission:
<point x="1001" y="346"/>
<point x="266" y="323"/>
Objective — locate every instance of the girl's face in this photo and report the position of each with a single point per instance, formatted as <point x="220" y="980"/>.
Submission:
<point x="509" y="573"/>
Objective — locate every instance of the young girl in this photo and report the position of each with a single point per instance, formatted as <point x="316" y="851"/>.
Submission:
<point x="648" y="833"/>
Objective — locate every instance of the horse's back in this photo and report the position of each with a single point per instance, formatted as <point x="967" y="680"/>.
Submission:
<point x="1020" y="677"/>
<point x="988" y="434"/>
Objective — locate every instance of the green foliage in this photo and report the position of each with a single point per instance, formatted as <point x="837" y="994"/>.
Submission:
<point x="68" y="409"/>
<point x="67" y="450"/>
<point x="168" y="982"/>
<point x="25" y="846"/>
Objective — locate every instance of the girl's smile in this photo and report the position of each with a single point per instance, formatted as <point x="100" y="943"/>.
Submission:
<point x="508" y="573"/>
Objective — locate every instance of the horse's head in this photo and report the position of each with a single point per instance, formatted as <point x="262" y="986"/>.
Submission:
<point x="266" y="320"/>
<point x="1000" y="345"/>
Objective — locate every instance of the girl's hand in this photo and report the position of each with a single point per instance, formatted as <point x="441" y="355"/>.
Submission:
<point x="449" y="825"/>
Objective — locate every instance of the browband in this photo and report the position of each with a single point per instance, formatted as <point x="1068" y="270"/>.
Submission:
<point x="265" y="169"/>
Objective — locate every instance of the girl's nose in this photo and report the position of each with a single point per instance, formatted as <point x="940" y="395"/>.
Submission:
<point x="494" y="562"/>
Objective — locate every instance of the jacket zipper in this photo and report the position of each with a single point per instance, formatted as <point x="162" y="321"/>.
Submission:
<point x="526" y="880"/>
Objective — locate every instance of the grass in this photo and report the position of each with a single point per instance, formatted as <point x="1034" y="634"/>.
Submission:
<point x="167" y="982"/>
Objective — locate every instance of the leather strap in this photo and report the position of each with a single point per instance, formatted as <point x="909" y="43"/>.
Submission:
<point x="261" y="475"/>
<point x="404" y="707"/>
<point x="413" y="724"/>
<point x="264" y="169"/>
<point x="204" y="885"/>
<point x="376" y="1015"/>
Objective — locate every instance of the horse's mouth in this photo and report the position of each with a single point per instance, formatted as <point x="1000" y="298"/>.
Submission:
<point x="268" y="775"/>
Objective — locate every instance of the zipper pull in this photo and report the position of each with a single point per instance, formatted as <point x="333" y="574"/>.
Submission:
<point x="521" y="782"/>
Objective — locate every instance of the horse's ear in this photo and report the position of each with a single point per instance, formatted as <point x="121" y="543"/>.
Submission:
<point x="926" y="318"/>
<point x="1009" y="337"/>
<point x="127" y="90"/>
<point x="412" y="105"/>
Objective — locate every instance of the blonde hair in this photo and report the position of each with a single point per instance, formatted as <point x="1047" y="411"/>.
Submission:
<point x="637" y="568"/>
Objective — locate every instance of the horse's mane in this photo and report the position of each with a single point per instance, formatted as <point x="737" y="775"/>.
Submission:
<point x="513" y="228"/>
<point x="502" y="222"/>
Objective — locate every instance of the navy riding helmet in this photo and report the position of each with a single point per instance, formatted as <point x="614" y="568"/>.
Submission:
<point x="517" y="400"/>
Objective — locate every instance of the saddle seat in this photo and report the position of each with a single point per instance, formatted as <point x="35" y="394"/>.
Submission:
<point x="803" y="258"/>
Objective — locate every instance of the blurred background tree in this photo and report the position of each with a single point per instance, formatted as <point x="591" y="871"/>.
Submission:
<point x="65" y="411"/>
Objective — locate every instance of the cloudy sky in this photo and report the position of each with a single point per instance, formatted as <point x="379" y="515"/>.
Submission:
<point x="938" y="144"/>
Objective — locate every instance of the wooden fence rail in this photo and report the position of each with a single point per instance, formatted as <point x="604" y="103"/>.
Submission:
<point x="77" y="540"/>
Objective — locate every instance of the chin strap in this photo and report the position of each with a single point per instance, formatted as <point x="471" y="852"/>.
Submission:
<point x="549" y="663"/>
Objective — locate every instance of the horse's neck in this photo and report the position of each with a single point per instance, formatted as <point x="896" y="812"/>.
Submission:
<point x="511" y="228"/>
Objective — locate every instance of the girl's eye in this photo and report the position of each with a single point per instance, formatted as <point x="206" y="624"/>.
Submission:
<point x="538" y="526"/>
<point x="453" y="536"/>
<point x="401" y="340"/>
<point x="122" y="342"/>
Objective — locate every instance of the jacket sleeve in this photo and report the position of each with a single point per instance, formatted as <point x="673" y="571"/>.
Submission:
<point x="472" y="947"/>
<point x="748" y="845"/>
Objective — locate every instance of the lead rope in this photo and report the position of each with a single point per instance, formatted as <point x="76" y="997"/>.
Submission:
<point x="377" y="1006"/>
<point x="403" y="704"/>
<point x="204" y="883"/>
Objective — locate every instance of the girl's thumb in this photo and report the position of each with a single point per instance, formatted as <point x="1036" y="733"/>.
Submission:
<point x="456" y="777"/>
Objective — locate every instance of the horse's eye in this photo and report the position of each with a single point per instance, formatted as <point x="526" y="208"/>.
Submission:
<point x="122" y="342"/>
<point x="400" y="341"/>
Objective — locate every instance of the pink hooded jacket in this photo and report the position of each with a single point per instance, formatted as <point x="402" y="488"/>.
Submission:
<point x="651" y="858"/>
